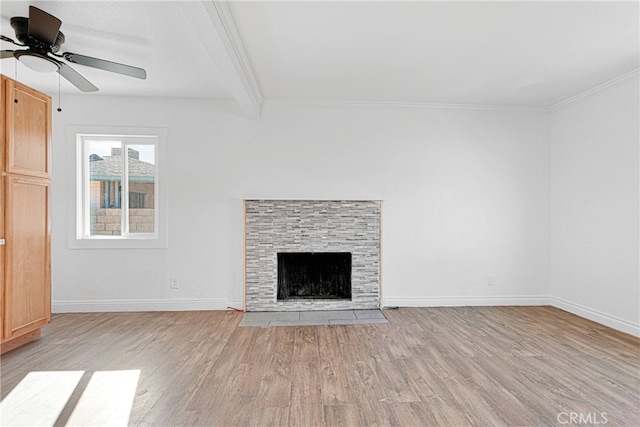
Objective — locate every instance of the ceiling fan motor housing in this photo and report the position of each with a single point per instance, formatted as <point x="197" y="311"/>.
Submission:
<point x="20" y="25"/>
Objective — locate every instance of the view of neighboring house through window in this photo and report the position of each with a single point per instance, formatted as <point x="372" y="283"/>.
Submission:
<point x="119" y="191"/>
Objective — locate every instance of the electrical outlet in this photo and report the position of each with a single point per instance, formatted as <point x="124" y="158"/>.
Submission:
<point x="490" y="281"/>
<point x="173" y="283"/>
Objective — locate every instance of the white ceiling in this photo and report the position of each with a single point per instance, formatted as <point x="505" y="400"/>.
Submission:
<point x="497" y="53"/>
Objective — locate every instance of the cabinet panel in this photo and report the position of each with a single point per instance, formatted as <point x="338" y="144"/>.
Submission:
<point x="28" y="129"/>
<point x="3" y="146"/>
<point x="27" y="303"/>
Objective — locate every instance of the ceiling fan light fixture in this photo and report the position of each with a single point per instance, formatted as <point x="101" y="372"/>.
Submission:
<point x="37" y="62"/>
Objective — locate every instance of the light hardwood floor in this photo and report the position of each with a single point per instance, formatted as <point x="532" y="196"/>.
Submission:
<point x="428" y="366"/>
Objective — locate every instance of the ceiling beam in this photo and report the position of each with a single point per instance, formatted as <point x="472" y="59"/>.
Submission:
<point x="214" y="25"/>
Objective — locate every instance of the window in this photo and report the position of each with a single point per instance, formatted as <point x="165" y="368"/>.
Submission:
<point x="118" y="191"/>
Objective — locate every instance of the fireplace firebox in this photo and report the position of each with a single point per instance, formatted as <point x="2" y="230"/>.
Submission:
<point x="314" y="275"/>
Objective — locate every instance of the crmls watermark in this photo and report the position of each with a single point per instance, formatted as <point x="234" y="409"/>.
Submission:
<point x="594" y="418"/>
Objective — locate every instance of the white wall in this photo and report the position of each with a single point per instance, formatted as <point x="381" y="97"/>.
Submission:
<point x="594" y="207"/>
<point x="466" y="195"/>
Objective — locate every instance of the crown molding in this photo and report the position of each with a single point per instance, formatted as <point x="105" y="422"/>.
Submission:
<point x="416" y="105"/>
<point x="215" y="27"/>
<point x="589" y="92"/>
<point x="450" y="106"/>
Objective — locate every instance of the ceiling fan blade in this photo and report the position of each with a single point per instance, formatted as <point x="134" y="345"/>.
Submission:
<point x="6" y="54"/>
<point x="102" y="64"/>
<point x="42" y="26"/>
<point x="7" y="39"/>
<point x="76" y="79"/>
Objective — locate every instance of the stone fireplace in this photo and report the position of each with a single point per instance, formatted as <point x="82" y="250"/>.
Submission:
<point x="312" y="255"/>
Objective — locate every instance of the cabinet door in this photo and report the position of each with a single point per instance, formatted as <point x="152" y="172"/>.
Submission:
<point x="28" y="130"/>
<point x="27" y="298"/>
<point x="2" y="199"/>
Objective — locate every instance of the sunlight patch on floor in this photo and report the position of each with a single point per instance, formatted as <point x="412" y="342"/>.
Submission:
<point x="107" y="399"/>
<point x="39" y="398"/>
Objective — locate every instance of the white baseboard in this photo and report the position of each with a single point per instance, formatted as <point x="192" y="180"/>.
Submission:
<point x="463" y="301"/>
<point x="183" y="304"/>
<point x="191" y="304"/>
<point x="597" y="316"/>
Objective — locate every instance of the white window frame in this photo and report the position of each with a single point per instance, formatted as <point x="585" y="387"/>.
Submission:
<point x="79" y="236"/>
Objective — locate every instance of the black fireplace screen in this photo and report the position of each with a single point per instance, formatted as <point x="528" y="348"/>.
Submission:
<point x="308" y="275"/>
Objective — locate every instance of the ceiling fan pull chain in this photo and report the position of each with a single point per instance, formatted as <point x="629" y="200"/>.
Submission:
<point x="15" y="72"/>
<point x="59" y="109"/>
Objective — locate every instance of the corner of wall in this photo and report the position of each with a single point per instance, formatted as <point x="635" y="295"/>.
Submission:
<point x="593" y="248"/>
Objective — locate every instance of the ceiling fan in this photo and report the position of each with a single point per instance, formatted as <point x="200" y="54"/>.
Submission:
<point x="41" y="36"/>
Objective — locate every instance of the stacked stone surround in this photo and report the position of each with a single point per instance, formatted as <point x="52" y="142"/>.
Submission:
<point x="274" y="226"/>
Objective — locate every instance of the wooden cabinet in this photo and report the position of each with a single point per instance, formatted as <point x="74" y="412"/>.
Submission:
<point x="25" y="214"/>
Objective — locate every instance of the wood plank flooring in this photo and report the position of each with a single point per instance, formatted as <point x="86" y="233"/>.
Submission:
<point x="427" y="367"/>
